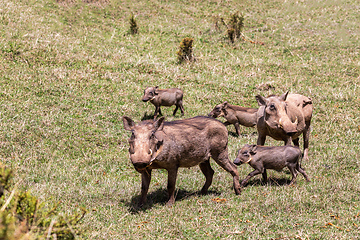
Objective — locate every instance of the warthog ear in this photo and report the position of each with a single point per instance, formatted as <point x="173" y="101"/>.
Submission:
<point x="253" y="149"/>
<point x="261" y="100"/>
<point x="307" y="101"/>
<point x="128" y="123"/>
<point x="284" y="96"/>
<point x="159" y="124"/>
<point x="155" y="91"/>
<point x="225" y="104"/>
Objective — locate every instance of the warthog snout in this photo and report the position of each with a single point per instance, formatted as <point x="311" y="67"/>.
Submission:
<point x="140" y="165"/>
<point x="291" y="133"/>
<point x="237" y="161"/>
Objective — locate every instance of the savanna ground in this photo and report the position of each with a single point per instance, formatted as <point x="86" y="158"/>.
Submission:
<point x="70" y="70"/>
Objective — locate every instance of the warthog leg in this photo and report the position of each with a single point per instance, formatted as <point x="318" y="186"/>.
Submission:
<point x="145" y="183"/>
<point x="172" y="174"/>
<point x="237" y="128"/>
<point x="223" y="160"/>
<point x="264" y="174"/>
<point x="250" y="175"/>
<point x="208" y="172"/>
<point x="157" y="111"/>
<point x="261" y="140"/>
<point x="181" y="108"/>
<point x="302" y="171"/>
<point x="177" y="107"/>
<point x="296" y="141"/>
<point x="293" y="174"/>
<point x="306" y="135"/>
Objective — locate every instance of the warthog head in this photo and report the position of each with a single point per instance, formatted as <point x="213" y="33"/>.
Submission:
<point x="144" y="142"/>
<point x="219" y="110"/>
<point x="245" y="154"/>
<point x="149" y="93"/>
<point x="276" y="115"/>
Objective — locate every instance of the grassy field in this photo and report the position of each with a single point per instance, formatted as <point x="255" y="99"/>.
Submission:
<point x="70" y="70"/>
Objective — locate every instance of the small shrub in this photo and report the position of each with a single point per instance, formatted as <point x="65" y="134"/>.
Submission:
<point x="23" y="216"/>
<point x="185" y="52"/>
<point x="133" y="25"/>
<point x="5" y="177"/>
<point x="234" y="27"/>
<point x="236" y="22"/>
<point x="231" y="34"/>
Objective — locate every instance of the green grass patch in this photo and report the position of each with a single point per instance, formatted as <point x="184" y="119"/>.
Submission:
<point x="69" y="71"/>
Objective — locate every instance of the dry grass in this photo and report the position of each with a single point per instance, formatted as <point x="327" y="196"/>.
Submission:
<point x="69" y="71"/>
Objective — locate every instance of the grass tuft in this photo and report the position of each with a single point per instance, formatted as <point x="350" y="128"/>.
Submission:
<point x="133" y="25"/>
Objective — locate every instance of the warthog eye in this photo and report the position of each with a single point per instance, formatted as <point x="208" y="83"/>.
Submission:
<point x="158" y="145"/>
<point x="272" y="107"/>
<point x="132" y="136"/>
<point x="131" y="148"/>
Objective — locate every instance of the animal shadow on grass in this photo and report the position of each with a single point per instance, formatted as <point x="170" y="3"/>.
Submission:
<point x="233" y="134"/>
<point x="242" y="134"/>
<point x="160" y="196"/>
<point x="271" y="182"/>
<point x="147" y="117"/>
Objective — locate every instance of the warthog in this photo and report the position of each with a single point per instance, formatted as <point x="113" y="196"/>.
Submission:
<point x="285" y="118"/>
<point x="182" y="143"/>
<point x="235" y="115"/>
<point x="261" y="158"/>
<point x="164" y="97"/>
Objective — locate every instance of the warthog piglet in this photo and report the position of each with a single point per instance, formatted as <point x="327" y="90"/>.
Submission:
<point x="261" y="158"/>
<point x="235" y="115"/>
<point x="164" y="97"/>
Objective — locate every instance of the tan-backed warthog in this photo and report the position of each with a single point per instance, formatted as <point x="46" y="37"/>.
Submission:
<point x="261" y="158"/>
<point x="285" y="118"/>
<point x="164" y="97"/>
<point x="235" y="115"/>
<point x="182" y="143"/>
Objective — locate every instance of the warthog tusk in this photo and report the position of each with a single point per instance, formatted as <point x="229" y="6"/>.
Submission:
<point x="150" y="151"/>
<point x="250" y="158"/>
<point x="156" y="154"/>
<point x="152" y="98"/>
<point x="281" y="126"/>
<point x="296" y="121"/>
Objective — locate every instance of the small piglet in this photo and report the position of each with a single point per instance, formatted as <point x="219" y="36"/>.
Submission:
<point x="164" y="97"/>
<point x="235" y="115"/>
<point x="261" y="158"/>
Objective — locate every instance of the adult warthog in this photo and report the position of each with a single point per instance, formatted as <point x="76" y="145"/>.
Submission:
<point x="285" y="118"/>
<point x="182" y="143"/>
